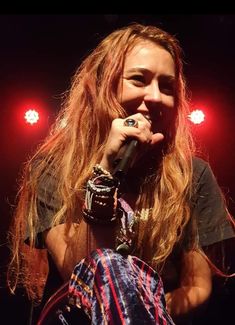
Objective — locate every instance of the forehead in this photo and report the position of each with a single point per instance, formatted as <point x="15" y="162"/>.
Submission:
<point x="146" y="54"/>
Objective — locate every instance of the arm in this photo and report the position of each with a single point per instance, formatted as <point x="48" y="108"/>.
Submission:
<point x="67" y="248"/>
<point x="195" y="286"/>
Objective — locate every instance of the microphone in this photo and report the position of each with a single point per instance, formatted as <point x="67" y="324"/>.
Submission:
<point x="124" y="159"/>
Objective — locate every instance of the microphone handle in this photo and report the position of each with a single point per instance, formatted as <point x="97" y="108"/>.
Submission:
<point x="124" y="160"/>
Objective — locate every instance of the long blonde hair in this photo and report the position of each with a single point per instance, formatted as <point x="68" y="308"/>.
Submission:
<point x="76" y="144"/>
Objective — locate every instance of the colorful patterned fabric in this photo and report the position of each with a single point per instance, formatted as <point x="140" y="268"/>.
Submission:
<point x="117" y="290"/>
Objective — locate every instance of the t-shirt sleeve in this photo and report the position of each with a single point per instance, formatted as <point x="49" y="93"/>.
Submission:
<point x="209" y="208"/>
<point x="48" y="205"/>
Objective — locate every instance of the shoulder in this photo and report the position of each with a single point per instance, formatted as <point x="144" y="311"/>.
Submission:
<point x="199" y="165"/>
<point x="202" y="171"/>
<point x="45" y="179"/>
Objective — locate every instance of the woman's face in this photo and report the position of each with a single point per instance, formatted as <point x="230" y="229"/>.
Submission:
<point x="148" y="84"/>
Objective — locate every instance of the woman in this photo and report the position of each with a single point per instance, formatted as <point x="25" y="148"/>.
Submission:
<point x="159" y="211"/>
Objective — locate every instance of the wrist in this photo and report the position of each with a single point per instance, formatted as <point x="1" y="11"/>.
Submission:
<point x="106" y="165"/>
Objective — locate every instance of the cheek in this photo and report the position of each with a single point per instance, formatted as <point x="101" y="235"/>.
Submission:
<point x="130" y="99"/>
<point x="168" y="102"/>
<point x="126" y="94"/>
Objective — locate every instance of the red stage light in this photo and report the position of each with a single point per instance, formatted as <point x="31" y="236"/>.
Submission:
<point x="197" y="116"/>
<point x="31" y="116"/>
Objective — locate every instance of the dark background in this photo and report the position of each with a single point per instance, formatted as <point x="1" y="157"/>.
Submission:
<point x="39" y="54"/>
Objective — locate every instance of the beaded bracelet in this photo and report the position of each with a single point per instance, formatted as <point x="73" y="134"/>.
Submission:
<point x="99" y="170"/>
<point x="89" y="217"/>
<point x="96" y="186"/>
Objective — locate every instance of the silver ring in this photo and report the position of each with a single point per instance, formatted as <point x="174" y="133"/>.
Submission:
<point x="131" y="122"/>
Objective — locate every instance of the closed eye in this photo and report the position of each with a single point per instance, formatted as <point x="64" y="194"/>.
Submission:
<point x="167" y="87"/>
<point x="137" y="79"/>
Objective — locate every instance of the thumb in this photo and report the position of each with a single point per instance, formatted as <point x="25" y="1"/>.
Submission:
<point x="157" y="137"/>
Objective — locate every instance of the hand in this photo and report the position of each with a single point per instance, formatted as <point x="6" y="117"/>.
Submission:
<point x="119" y="133"/>
<point x="195" y="286"/>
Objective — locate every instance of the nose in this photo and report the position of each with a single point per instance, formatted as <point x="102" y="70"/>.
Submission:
<point x="153" y="93"/>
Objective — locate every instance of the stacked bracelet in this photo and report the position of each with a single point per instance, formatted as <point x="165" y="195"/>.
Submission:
<point x="100" y="199"/>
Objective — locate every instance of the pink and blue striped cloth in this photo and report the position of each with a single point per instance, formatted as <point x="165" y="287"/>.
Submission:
<point x="114" y="289"/>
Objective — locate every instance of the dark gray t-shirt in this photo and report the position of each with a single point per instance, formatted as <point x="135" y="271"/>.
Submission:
<point x="207" y="206"/>
<point x="208" y="212"/>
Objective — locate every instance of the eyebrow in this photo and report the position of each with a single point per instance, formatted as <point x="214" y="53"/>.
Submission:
<point x="169" y="77"/>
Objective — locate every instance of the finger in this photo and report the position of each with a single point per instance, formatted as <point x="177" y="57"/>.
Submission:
<point x="157" y="137"/>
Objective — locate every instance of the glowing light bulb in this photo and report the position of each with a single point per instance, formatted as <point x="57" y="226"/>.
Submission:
<point x="31" y="116"/>
<point x="197" y="116"/>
